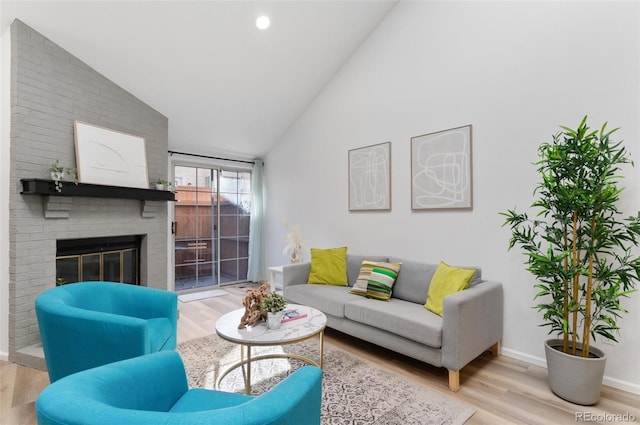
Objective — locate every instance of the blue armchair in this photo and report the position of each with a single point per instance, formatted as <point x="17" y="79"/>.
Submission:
<point x="88" y="324"/>
<point x="153" y="389"/>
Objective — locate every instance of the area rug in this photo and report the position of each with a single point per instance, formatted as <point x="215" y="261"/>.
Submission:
<point x="354" y="391"/>
<point x="194" y="296"/>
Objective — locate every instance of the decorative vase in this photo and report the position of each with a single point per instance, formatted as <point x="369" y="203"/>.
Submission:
<point x="296" y="255"/>
<point x="576" y="379"/>
<point x="274" y="320"/>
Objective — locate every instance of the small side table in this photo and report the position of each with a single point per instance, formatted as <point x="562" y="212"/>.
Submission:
<point x="273" y="276"/>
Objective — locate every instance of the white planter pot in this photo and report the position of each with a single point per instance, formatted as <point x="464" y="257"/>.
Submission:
<point x="274" y="320"/>
<point x="574" y="378"/>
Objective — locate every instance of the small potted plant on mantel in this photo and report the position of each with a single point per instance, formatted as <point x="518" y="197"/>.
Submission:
<point x="273" y="304"/>
<point x="161" y="184"/>
<point x="58" y="172"/>
<point x="581" y="253"/>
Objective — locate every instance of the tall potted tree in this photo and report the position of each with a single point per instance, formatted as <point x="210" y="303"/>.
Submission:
<point x="580" y="251"/>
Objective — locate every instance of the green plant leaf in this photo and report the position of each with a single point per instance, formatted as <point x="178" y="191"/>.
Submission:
<point x="577" y="246"/>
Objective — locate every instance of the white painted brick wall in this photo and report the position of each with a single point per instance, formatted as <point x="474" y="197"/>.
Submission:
<point x="50" y="89"/>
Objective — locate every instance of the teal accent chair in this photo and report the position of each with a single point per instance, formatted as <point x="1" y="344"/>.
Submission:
<point x="88" y="324"/>
<point x="153" y="390"/>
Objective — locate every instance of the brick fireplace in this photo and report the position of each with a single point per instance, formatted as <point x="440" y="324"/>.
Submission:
<point x="50" y="88"/>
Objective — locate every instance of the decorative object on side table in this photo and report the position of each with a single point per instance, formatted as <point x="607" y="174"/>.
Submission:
<point x="580" y="251"/>
<point x="293" y="243"/>
<point x="252" y="302"/>
<point x="273" y="304"/>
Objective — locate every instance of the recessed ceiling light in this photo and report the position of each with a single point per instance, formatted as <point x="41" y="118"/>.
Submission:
<point x="263" y="22"/>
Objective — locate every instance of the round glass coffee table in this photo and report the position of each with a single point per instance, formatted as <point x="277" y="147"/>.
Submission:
<point x="258" y="335"/>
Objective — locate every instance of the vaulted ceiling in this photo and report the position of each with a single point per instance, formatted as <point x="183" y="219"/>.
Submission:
<point x="227" y="87"/>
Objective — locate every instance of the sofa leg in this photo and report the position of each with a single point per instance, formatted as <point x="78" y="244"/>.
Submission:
<point x="454" y="380"/>
<point x="495" y="349"/>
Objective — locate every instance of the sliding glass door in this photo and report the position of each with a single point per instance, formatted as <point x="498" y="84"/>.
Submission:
<point x="212" y="215"/>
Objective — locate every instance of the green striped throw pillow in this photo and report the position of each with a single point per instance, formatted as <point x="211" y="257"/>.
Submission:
<point x="376" y="279"/>
<point x="360" y="286"/>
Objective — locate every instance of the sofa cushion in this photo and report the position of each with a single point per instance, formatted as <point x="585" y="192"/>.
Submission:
<point x="477" y="276"/>
<point x="415" y="277"/>
<point x="326" y="298"/>
<point x="446" y="280"/>
<point x="413" y="280"/>
<point x="399" y="317"/>
<point x="354" y="263"/>
<point x="329" y="266"/>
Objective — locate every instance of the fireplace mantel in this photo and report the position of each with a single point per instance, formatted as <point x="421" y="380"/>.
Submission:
<point x="45" y="187"/>
<point x="58" y="204"/>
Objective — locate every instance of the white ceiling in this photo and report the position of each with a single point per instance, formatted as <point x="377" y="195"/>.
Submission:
<point x="227" y="88"/>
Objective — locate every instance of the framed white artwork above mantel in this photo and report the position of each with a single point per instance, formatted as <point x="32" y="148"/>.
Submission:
<point x="109" y="157"/>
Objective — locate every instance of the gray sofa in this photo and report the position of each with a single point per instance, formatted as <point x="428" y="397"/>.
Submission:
<point x="471" y="322"/>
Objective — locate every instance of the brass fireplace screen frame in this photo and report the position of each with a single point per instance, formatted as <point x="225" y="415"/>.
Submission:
<point x="100" y="266"/>
<point x="101" y="263"/>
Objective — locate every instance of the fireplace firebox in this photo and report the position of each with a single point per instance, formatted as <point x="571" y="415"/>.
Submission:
<point x="115" y="259"/>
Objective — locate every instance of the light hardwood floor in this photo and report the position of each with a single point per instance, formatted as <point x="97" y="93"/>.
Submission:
<point x="503" y="390"/>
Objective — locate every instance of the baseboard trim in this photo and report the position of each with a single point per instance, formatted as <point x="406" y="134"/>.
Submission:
<point x="518" y="355"/>
<point x="541" y="361"/>
<point x="621" y="385"/>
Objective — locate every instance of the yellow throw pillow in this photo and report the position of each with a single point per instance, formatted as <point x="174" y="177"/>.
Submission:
<point x="445" y="281"/>
<point x="329" y="266"/>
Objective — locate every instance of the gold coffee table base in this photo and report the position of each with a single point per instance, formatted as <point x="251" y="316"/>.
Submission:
<point x="250" y="359"/>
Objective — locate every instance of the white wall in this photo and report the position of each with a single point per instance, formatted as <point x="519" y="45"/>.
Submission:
<point x="5" y="66"/>
<point x="516" y="71"/>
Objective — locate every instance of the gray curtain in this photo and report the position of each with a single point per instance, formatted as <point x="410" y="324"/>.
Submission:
<point x="256" y="271"/>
